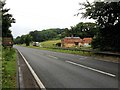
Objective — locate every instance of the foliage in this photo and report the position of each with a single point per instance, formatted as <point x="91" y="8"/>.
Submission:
<point x="50" y="43"/>
<point x="107" y="16"/>
<point x="48" y="34"/>
<point x="8" y="68"/>
<point x="83" y="30"/>
<point x="23" y="39"/>
<point x="28" y="39"/>
<point x="58" y="44"/>
<point x="39" y="36"/>
<point x="80" y="30"/>
<point x="6" y="19"/>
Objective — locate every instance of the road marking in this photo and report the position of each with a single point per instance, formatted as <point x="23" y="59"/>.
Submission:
<point x="33" y="73"/>
<point x="52" y="56"/>
<point x="83" y="58"/>
<point x="21" y="85"/>
<point x="106" y="73"/>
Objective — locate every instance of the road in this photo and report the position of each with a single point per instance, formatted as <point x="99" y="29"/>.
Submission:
<point x="60" y="70"/>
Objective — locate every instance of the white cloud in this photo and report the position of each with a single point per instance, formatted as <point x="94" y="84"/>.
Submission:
<point x="42" y="14"/>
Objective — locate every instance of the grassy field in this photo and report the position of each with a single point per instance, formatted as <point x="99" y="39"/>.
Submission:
<point x="50" y="43"/>
<point x="8" y="68"/>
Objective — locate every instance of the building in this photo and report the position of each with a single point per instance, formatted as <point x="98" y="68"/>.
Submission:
<point x="75" y="41"/>
<point x="87" y="41"/>
<point x="71" y="41"/>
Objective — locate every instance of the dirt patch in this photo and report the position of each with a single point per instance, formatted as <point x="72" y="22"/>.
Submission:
<point x="108" y="58"/>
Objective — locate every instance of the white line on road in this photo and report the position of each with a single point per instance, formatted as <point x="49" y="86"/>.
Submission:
<point x="21" y="85"/>
<point x="34" y="74"/>
<point x="106" y="73"/>
<point x="52" y="56"/>
<point x="83" y="58"/>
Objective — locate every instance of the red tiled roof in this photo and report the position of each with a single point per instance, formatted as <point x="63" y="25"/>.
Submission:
<point x="71" y="39"/>
<point x="87" y="40"/>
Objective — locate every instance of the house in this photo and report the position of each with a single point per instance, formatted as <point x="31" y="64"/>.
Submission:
<point x="75" y="41"/>
<point x="71" y="41"/>
<point x="87" y="41"/>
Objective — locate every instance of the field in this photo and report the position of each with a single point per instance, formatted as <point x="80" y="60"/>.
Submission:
<point x="50" y="43"/>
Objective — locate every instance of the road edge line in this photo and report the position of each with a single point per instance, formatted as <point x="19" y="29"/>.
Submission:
<point x="40" y="84"/>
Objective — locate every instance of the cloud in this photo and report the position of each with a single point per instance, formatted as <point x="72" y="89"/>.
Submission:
<point x="42" y="14"/>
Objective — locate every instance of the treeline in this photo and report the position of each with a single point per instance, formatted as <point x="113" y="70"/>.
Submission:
<point x="39" y="36"/>
<point x="80" y="30"/>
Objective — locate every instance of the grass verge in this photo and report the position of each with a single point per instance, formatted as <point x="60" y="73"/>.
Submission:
<point x="8" y="68"/>
<point x="63" y="51"/>
<point x="99" y="57"/>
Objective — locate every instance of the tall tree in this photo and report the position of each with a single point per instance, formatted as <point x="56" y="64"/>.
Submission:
<point x="28" y="39"/>
<point x="7" y="20"/>
<point x="107" y="16"/>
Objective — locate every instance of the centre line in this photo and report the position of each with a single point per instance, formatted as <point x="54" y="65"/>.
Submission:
<point x="83" y="66"/>
<point x="52" y="56"/>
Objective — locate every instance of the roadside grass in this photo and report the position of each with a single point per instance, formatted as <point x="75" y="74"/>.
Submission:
<point x="71" y="52"/>
<point x="62" y="50"/>
<point x="8" y="68"/>
<point x="99" y="57"/>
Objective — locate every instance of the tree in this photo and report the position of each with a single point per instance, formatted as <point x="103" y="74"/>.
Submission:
<point x="17" y="40"/>
<point x="7" y="20"/>
<point x="82" y="30"/>
<point x="48" y="34"/>
<point x="107" y="16"/>
<point x="28" y="39"/>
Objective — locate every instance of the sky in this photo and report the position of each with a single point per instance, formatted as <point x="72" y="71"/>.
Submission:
<point x="33" y="15"/>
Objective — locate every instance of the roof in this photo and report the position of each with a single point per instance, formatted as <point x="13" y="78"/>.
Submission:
<point x="87" y="40"/>
<point x="72" y="37"/>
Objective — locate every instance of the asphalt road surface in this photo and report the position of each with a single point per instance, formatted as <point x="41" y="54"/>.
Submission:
<point x="60" y="70"/>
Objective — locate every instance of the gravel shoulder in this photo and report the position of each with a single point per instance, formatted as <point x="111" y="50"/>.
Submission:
<point x="25" y="78"/>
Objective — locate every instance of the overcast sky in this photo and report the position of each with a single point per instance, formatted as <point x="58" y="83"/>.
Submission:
<point x="33" y="15"/>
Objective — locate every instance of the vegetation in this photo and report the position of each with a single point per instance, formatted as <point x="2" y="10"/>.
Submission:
<point x="8" y="55"/>
<point x="50" y="43"/>
<point x="83" y="30"/>
<point x="8" y="68"/>
<point x="105" y="31"/>
<point x="57" y="49"/>
<point x="80" y="30"/>
<point x="107" y="16"/>
<point x="39" y="36"/>
<point x="6" y="20"/>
